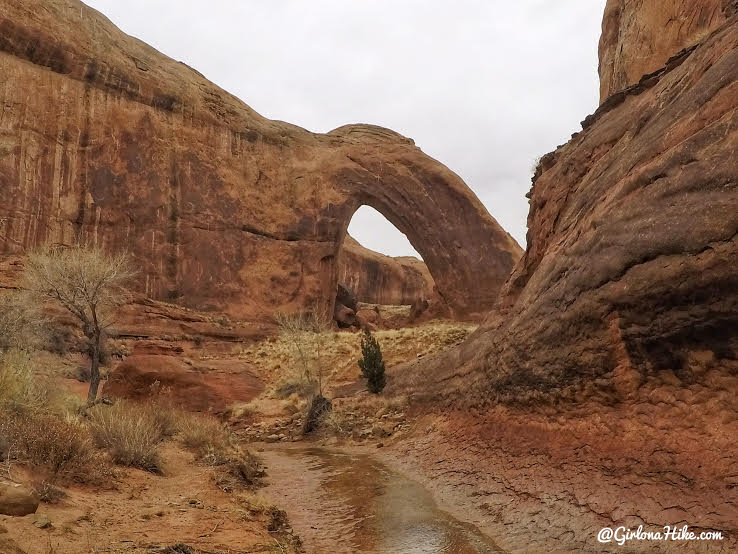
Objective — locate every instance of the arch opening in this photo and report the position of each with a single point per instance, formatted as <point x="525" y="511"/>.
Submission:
<point x="386" y="284"/>
<point x="373" y="231"/>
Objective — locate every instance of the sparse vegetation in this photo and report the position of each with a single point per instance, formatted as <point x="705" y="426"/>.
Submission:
<point x="88" y="283"/>
<point x="21" y="323"/>
<point x="131" y="435"/>
<point x="306" y="334"/>
<point x="214" y="445"/>
<point x="274" y="357"/>
<point x="372" y="363"/>
<point x="60" y="450"/>
<point x="20" y="389"/>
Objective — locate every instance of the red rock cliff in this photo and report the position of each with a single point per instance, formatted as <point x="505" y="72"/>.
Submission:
<point x="222" y="208"/>
<point x="602" y="390"/>
<point x="639" y="36"/>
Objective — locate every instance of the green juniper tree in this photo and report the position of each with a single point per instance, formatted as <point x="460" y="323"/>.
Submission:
<point x="372" y="364"/>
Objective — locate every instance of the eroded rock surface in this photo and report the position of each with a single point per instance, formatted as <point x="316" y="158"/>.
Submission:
<point x="194" y="387"/>
<point x="222" y="208"/>
<point x="639" y="36"/>
<point x="602" y="389"/>
<point x="378" y="279"/>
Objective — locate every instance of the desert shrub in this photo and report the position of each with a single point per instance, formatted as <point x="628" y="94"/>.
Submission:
<point x="129" y="433"/>
<point x="372" y="363"/>
<point x="319" y="406"/>
<point x="48" y="493"/>
<point x="20" y="389"/>
<point x="338" y="421"/>
<point x="213" y="445"/>
<point x="62" y="450"/>
<point x="21" y="323"/>
<point x="306" y="333"/>
<point x="296" y="384"/>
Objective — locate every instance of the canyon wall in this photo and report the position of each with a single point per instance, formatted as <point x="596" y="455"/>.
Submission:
<point x="602" y="390"/>
<point x="639" y="36"/>
<point x="378" y="279"/>
<point x="221" y="208"/>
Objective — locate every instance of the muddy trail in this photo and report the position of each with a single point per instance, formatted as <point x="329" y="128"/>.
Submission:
<point x="349" y="502"/>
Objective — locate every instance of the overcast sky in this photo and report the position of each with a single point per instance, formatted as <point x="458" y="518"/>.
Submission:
<point x="484" y="86"/>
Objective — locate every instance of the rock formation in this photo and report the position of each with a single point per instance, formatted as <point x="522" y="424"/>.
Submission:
<point x="602" y="389"/>
<point x="17" y="500"/>
<point x="639" y="36"/>
<point x="630" y="266"/>
<point x="197" y="389"/>
<point x="222" y="208"/>
<point x="378" y="279"/>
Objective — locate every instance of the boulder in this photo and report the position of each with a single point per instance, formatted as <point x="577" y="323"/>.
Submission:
<point x="346" y="296"/>
<point x="344" y="316"/>
<point x="42" y="521"/>
<point x="17" y="500"/>
<point x="202" y="389"/>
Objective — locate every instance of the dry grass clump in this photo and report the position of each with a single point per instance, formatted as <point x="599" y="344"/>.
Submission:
<point x="131" y="435"/>
<point x="60" y="450"/>
<point x="203" y="435"/>
<point x="214" y="445"/>
<point x="254" y="503"/>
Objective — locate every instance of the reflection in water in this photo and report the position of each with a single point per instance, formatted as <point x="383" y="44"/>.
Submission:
<point x="350" y="503"/>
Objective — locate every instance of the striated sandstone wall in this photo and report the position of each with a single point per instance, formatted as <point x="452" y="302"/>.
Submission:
<point x="104" y="139"/>
<point x="602" y="390"/>
<point x="639" y="36"/>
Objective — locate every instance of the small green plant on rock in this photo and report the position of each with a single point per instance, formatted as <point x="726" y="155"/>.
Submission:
<point x="372" y="363"/>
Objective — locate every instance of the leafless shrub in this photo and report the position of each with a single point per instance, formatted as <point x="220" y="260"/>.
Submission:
<point x="62" y="450"/>
<point x="306" y="332"/>
<point x="20" y="389"/>
<point x="21" y="322"/>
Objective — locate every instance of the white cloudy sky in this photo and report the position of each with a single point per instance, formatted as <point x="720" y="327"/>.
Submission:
<point x="485" y="86"/>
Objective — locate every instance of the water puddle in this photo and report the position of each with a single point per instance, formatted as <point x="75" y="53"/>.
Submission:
<point x="339" y="502"/>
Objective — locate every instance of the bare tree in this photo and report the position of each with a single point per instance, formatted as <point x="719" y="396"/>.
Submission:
<point x="307" y="332"/>
<point x="88" y="283"/>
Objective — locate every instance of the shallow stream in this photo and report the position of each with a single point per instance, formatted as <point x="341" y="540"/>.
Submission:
<point x="341" y="503"/>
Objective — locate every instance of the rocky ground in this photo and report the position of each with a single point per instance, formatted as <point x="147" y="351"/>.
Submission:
<point x="145" y="513"/>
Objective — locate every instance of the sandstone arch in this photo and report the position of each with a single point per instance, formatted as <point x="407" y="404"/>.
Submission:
<point x="223" y="209"/>
<point x="468" y="254"/>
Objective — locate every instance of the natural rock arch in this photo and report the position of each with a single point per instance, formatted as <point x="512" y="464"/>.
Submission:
<point x="468" y="254"/>
<point x="222" y="208"/>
